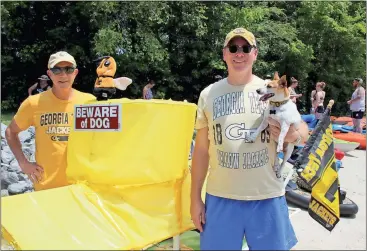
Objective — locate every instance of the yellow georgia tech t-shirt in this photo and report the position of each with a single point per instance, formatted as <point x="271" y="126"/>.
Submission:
<point x="52" y="119"/>
<point x="239" y="169"/>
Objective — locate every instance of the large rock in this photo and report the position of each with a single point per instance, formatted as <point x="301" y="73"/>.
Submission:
<point x="13" y="180"/>
<point x="3" y="128"/>
<point x="23" y="176"/>
<point x="9" y="177"/>
<point x="14" y="166"/>
<point x="25" y="136"/>
<point x="20" y="187"/>
<point x="4" y="193"/>
<point x="29" y="150"/>
<point x="6" y="155"/>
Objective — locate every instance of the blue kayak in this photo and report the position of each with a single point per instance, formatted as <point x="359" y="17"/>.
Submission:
<point x="308" y="118"/>
<point x="344" y="128"/>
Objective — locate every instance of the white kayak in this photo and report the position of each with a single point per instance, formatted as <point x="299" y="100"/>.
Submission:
<point x="345" y="146"/>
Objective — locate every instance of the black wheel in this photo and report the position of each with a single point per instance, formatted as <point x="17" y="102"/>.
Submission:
<point x="298" y="197"/>
<point x="302" y="198"/>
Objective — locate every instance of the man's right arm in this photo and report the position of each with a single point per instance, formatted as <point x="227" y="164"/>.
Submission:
<point x="21" y="121"/>
<point x="200" y="163"/>
<point x="30" y="89"/>
<point x="144" y="92"/>
<point x="33" y="170"/>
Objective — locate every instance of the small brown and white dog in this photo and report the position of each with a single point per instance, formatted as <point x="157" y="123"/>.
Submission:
<point x="282" y="109"/>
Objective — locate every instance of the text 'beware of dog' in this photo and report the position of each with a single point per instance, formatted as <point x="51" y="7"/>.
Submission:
<point x="106" y="117"/>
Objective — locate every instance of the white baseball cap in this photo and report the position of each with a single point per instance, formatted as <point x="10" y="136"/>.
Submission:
<point x="61" y="56"/>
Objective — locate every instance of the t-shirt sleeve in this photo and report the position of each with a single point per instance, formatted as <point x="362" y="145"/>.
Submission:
<point x="90" y="97"/>
<point x="85" y="97"/>
<point x="201" y="119"/>
<point x="361" y="92"/>
<point x="291" y="91"/>
<point x="24" y="116"/>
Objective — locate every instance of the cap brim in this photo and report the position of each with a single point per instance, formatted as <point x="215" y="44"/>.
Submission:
<point x="62" y="60"/>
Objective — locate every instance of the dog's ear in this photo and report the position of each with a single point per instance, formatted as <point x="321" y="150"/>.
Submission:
<point x="276" y="76"/>
<point x="283" y="81"/>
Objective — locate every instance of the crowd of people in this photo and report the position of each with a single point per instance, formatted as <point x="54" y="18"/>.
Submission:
<point x="357" y="103"/>
<point x="242" y="198"/>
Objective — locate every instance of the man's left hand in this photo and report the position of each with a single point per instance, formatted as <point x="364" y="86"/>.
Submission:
<point x="293" y="133"/>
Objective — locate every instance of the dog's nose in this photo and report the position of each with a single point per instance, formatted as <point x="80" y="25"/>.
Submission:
<point x="258" y="91"/>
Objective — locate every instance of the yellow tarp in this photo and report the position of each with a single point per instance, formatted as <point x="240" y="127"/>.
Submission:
<point x="127" y="190"/>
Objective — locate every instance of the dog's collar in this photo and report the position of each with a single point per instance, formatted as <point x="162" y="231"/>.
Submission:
<point x="279" y="103"/>
<point x="103" y="76"/>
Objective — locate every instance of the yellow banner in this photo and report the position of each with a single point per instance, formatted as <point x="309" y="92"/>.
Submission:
<point x="319" y="171"/>
<point x="131" y="182"/>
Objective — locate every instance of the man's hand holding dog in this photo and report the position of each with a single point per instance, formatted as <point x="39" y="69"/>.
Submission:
<point x="293" y="133"/>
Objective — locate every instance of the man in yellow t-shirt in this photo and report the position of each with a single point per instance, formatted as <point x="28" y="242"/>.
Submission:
<point x="244" y="193"/>
<point x="51" y="113"/>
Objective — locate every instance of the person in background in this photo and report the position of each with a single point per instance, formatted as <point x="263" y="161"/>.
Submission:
<point x="147" y="90"/>
<point x="317" y="99"/>
<point x="40" y="86"/>
<point x="268" y="78"/>
<point x="51" y="113"/>
<point x="218" y="77"/>
<point x="291" y="88"/>
<point x="357" y="104"/>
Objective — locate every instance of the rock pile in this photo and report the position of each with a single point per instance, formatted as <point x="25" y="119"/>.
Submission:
<point x="13" y="180"/>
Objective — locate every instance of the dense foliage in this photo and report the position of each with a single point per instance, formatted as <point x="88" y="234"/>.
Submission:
<point x="178" y="44"/>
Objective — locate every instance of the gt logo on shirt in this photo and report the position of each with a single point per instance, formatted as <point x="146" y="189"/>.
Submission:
<point x="238" y="131"/>
<point x="59" y="138"/>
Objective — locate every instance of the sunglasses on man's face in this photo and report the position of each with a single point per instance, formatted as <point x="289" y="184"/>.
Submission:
<point x="245" y="49"/>
<point x="59" y="70"/>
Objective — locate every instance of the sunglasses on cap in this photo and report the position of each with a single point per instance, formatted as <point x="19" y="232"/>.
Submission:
<point x="245" y="49"/>
<point x="59" y="70"/>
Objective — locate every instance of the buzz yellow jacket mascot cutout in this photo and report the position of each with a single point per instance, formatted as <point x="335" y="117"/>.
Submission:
<point x="105" y="85"/>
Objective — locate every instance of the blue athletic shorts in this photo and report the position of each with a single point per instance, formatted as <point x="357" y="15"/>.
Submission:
<point x="264" y="223"/>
